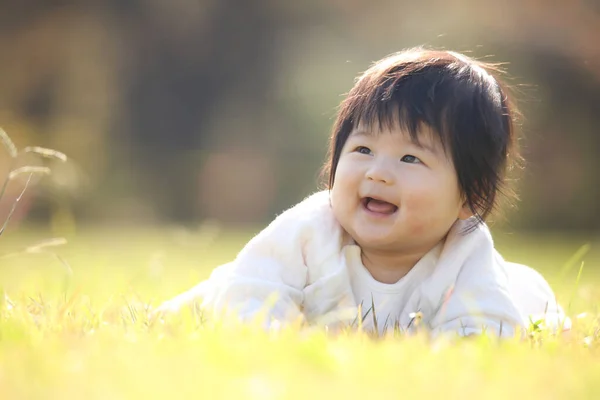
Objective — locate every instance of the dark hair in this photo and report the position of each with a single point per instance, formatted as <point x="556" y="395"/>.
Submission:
<point x="465" y="107"/>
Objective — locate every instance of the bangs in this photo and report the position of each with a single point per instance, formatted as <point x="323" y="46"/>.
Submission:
<point x="409" y="122"/>
<point x="407" y="98"/>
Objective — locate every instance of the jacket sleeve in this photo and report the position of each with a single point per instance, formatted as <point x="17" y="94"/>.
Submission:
<point x="535" y="297"/>
<point x="269" y="274"/>
<point x="480" y="301"/>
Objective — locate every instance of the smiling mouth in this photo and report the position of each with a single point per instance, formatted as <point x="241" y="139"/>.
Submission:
<point x="378" y="206"/>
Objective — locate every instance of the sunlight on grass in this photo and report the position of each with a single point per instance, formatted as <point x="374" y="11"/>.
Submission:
<point x="88" y="333"/>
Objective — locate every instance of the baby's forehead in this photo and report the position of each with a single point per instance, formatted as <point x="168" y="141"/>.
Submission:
<point x="423" y="136"/>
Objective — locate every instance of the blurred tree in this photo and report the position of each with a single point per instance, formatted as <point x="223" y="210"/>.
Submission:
<point x="187" y="59"/>
<point x="167" y="109"/>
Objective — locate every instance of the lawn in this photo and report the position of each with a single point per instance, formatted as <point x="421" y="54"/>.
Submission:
<point x="74" y="324"/>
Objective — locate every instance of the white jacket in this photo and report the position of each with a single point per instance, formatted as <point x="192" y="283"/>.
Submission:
<point x="303" y="259"/>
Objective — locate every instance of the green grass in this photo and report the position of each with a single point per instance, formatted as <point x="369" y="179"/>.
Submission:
<point x="87" y="334"/>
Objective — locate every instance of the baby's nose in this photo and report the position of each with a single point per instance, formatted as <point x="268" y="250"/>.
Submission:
<point x="380" y="172"/>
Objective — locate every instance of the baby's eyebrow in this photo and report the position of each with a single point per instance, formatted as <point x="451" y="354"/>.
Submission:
<point x="425" y="146"/>
<point x="361" y="132"/>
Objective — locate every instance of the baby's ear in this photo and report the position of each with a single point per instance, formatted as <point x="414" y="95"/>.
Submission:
<point x="465" y="212"/>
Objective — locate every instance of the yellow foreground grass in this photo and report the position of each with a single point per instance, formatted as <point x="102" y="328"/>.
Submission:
<point x="86" y="333"/>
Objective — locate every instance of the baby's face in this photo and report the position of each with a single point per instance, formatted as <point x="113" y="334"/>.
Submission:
<point x="391" y="194"/>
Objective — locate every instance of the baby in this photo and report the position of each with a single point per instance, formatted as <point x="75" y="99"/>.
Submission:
<point x="416" y="162"/>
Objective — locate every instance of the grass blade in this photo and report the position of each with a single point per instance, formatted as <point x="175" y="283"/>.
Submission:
<point x="4" y="185"/>
<point x="47" y="153"/>
<point x="14" y="206"/>
<point x="574" y="259"/>
<point x="28" y="170"/>
<point x="41" y="246"/>
<point x="575" y="288"/>
<point x="10" y="146"/>
<point x="374" y="315"/>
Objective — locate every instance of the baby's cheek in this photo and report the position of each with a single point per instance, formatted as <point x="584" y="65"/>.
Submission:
<point x="416" y="214"/>
<point x="420" y="213"/>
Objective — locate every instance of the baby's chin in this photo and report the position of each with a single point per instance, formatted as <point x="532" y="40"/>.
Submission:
<point x="377" y="241"/>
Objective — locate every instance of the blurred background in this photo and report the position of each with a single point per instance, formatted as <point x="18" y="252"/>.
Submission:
<point x="183" y="111"/>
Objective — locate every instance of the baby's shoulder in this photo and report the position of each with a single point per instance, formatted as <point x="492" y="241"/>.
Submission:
<point x="314" y="211"/>
<point x="524" y="279"/>
<point x="310" y="220"/>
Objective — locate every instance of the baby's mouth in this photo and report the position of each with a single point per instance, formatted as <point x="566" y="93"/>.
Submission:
<point x="379" y="206"/>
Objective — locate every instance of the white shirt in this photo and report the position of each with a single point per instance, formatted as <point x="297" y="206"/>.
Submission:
<point x="384" y="302"/>
<point x="304" y="258"/>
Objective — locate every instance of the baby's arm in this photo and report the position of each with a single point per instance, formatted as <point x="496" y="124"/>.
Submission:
<point x="535" y="297"/>
<point x="480" y="301"/>
<point x="490" y="301"/>
<point x="269" y="274"/>
<point x="269" y="268"/>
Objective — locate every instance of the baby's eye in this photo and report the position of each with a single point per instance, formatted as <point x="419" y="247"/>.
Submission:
<point x="410" y="159"/>
<point x="363" y="150"/>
